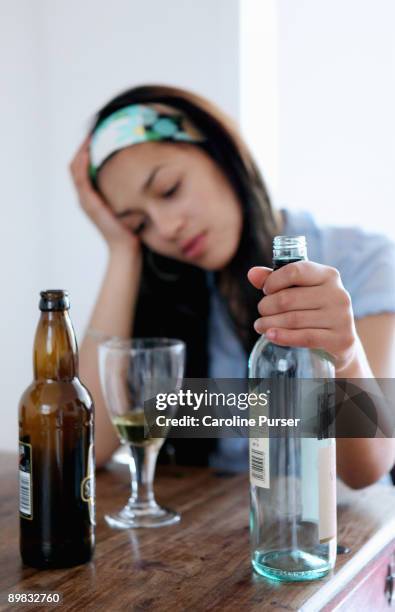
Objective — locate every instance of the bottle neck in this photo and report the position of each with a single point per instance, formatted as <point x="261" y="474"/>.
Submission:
<point x="287" y="249"/>
<point x="279" y="262"/>
<point x="55" y="355"/>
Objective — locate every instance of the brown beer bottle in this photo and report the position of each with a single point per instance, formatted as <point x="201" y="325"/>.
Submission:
<point x="56" y="454"/>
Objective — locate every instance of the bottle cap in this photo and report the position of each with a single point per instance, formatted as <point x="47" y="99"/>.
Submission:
<point x="54" y="300"/>
<point x="289" y="241"/>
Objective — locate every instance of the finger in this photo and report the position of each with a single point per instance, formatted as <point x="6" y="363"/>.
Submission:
<point x="85" y="144"/>
<point x="321" y="339"/>
<point x="300" y="273"/>
<point x="296" y="319"/>
<point x="100" y="214"/>
<point x="94" y="206"/>
<point x="81" y="172"/>
<point x="294" y="298"/>
<point x="80" y="154"/>
<point x="258" y="275"/>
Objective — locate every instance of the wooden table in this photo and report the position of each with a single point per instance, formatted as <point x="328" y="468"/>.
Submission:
<point x="203" y="562"/>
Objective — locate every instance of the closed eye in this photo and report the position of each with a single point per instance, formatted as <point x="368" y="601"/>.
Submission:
<point x="172" y="191"/>
<point x="137" y="230"/>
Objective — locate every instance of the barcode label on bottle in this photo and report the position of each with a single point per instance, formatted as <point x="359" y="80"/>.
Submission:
<point x="25" y="503"/>
<point x="259" y="462"/>
<point x="25" y="480"/>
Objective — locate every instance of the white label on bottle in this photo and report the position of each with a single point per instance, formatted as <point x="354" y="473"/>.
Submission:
<point x="25" y="480"/>
<point x="310" y="480"/>
<point x="259" y="462"/>
<point x="327" y="484"/>
<point x="25" y="505"/>
<point x="88" y="486"/>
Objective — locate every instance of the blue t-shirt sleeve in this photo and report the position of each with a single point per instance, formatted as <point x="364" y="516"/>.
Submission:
<point x="366" y="263"/>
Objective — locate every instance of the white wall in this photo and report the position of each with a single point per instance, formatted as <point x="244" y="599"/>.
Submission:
<point x="259" y="89"/>
<point x="336" y="77"/>
<point x="62" y="60"/>
<point x="23" y="226"/>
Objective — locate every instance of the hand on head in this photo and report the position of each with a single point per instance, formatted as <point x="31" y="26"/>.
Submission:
<point x="115" y="234"/>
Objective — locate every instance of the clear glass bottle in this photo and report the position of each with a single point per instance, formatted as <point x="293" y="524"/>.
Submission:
<point x="292" y="478"/>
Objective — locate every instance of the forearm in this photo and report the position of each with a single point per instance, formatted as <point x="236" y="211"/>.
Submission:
<point x="112" y="316"/>
<point x="114" y="309"/>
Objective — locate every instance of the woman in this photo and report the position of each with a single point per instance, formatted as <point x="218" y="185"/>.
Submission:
<point x="174" y="191"/>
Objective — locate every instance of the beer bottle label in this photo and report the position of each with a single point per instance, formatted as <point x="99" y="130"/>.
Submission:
<point x="88" y="486"/>
<point x="25" y="481"/>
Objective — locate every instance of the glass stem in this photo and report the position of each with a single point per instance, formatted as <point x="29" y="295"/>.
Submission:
<point x="142" y="469"/>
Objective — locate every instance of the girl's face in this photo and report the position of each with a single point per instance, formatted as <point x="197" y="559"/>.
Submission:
<point x="176" y="198"/>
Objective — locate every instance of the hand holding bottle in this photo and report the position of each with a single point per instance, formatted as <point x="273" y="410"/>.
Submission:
<point x="115" y="234"/>
<point x="306" y="305"/>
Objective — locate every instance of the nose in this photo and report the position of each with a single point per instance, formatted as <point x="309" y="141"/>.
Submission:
<point x="169" y="225"/>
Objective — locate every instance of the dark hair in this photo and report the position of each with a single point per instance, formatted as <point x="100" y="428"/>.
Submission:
<point x="180" y="307"/>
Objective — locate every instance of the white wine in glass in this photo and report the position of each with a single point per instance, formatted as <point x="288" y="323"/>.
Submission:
<point x="131" y="373"/>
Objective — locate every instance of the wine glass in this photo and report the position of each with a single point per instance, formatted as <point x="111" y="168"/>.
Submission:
<point x="133" y="372"/>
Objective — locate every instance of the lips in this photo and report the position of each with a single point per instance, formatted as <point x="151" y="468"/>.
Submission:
<point x="195" y="246"/>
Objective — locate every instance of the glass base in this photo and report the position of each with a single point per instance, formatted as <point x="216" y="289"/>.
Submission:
<point x="142" y="515"/>
<point x="290" y="565"/>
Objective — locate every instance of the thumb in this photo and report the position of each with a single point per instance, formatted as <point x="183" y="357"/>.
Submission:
<point x="258" y="275"/>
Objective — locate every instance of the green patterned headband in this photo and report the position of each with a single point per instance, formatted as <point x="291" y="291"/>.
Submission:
<point x="136" y="124"/>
